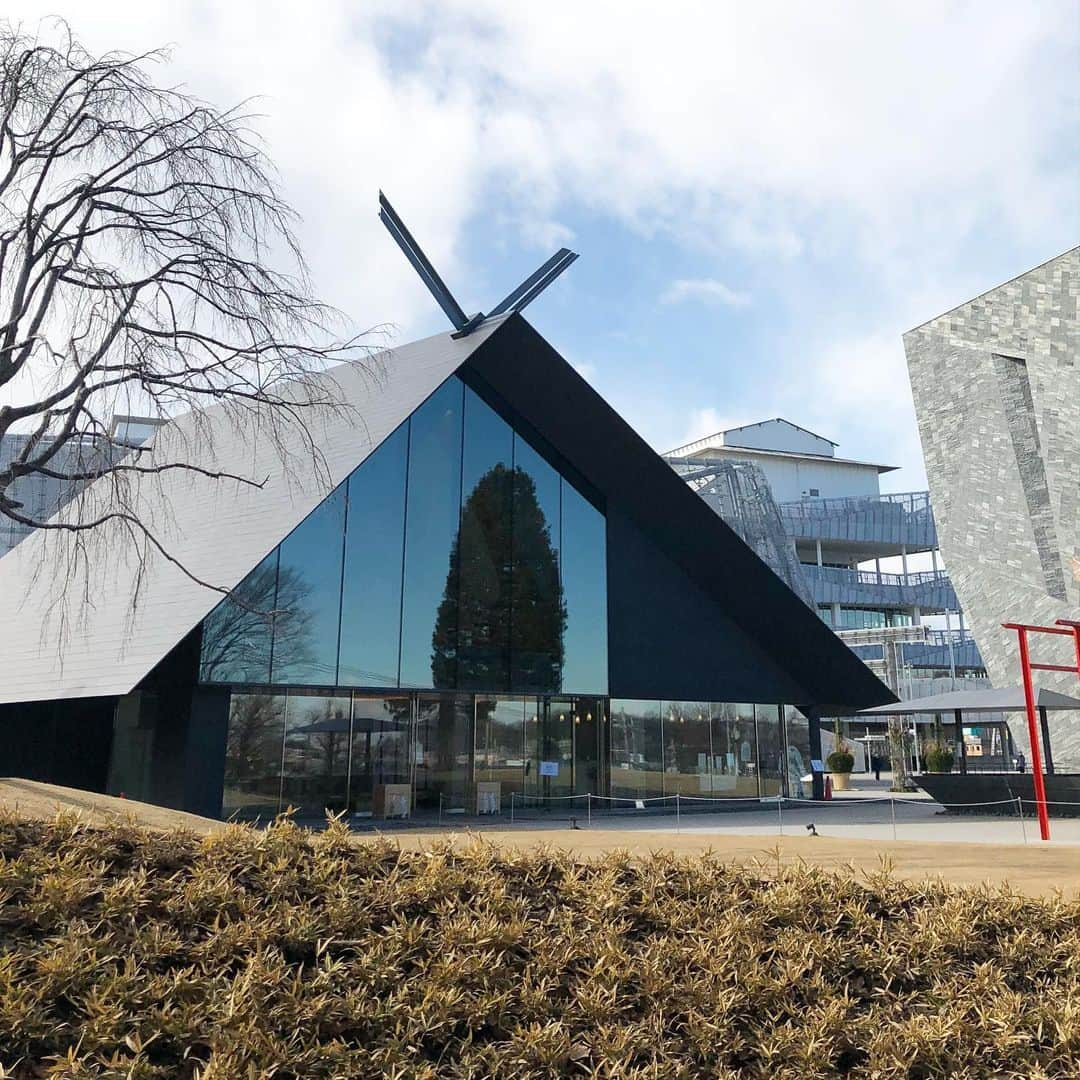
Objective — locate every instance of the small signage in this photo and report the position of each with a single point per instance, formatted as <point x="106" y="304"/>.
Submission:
<point x="817" y="765"/>
<point x="549" y="768"/>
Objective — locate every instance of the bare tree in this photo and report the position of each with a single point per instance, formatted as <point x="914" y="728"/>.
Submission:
<point x="147" y="265"/>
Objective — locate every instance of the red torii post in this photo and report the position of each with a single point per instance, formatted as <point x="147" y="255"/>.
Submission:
<point x="1064" y="628"/>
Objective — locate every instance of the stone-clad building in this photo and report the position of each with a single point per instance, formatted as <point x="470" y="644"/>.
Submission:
<point x="996" y="385"/>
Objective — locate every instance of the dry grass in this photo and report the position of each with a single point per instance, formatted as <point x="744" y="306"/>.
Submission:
<point x="128" y="952"/>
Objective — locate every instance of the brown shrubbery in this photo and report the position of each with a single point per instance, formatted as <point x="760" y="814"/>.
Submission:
<point x="247" y="954"/>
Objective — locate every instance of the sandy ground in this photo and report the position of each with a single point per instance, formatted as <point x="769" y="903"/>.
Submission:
<point x="33" y="799"/>
<point x="1034" y="869"/>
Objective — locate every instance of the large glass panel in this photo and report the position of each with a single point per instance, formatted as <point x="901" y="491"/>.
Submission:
<point x="429" y="608"/>
<point x="770" y="739"/>
<point x="308" y="608"/>
<point x="584" y="579"/>
<point x="688" y="748"/>
<point x="481" y="559"/>
<point x="538" y="616"/>
<point x="636" y="749"/>
<point x="734" y="764"/>
<point x="253" y="755"/>
<point x="586" y="732"/>
<point x="557" y="748"/>
<point x="236" y="634"/>
<point x="444" y="751"/>
<point x="500" y="742"/>
<point x="315" y="764"/>
<point x="371" y="598"/>
<point x="797" y="731"/>
<point x="381" y="747"/>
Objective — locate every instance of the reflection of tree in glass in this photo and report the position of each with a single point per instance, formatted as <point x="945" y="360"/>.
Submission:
<point x="501" y="621"/>
<point x="237" y="633"/>
<point x="253" y="750"/>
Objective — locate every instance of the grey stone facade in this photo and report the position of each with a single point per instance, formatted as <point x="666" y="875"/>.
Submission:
<point x="996" y="383"/>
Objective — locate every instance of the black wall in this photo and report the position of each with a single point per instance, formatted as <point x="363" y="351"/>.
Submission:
<point x="61" y="742"/>
<point x="666" y="638"/>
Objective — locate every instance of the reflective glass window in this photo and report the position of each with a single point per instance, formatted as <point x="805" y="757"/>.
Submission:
<point x="538" y="610"/>
<point x="688" y="748"/>
<point x="500" y="742"/>
<point x="481" y="558"/>
<point x="236" y="634"/>
<point x="429" y="608"/>
<point x="381" y="747"/>
<point x="636" y="749"/>
<point x="253" y="755"/>
<point x="308" y="607"/>
<point x="371" y="598"/>
<point x="770" y="740"/>
<point x="315" y="762"/>
<point x="444" y="751"/>
<point x="584" y="579"/>
<point x="797" y="739"/>
<point x="733" y="750"/>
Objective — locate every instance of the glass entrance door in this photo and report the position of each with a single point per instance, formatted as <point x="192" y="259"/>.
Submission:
<point x="588" y="774"/>
<point x="556" y="747"/>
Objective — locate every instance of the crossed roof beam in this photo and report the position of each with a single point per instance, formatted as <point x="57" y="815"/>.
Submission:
<point x="463" y="324"/>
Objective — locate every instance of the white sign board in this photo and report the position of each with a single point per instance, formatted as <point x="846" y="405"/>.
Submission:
<point x="549" y="768"/>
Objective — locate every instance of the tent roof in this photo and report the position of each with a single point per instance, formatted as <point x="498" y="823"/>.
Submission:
<point x="1007" y="699"/>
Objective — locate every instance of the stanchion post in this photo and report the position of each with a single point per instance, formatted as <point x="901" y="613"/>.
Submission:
<point x="678" y="816"/>
<point x="780" y="812"/>
<point x="892" y="807"/>
<point x="1020" y="811"/>
<point x="440" y="809"/>
<point x="589" y="805"/>
<point x="512" y="793"/>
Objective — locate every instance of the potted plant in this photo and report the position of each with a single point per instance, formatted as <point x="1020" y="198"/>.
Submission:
<point x="939" y="758"/>
<point x="840" y="763"/>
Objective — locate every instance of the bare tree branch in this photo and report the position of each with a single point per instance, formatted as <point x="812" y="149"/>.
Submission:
<point x="147" y="264"/>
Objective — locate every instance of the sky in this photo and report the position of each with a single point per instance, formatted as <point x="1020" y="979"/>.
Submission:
<point x="765" y="196"/>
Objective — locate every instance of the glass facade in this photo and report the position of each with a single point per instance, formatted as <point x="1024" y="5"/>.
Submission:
<point x="318" y="752"/>
<point x="455" y="558"/>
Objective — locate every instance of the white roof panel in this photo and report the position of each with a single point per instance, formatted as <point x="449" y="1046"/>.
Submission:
<point x="52" y="645"/>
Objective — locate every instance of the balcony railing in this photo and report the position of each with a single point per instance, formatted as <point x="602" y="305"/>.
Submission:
<point x="902" y="519"/>
<point x="930" y="590"/>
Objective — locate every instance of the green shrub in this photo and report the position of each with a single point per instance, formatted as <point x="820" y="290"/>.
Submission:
<point x="126" y="953"/>
<point x="939" y="759"/>
<point x="840" y="761"/>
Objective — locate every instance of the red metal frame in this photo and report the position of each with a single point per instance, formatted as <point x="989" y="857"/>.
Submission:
<point x="1063" y="628"/>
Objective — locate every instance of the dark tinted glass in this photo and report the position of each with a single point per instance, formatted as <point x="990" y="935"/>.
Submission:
<point x="253" y="755"/>
<point x="429" y="612"/>
<point x="584" y="579"/>
<point x="444" y="751"/>
<point x="316" y="758"/>
<point x="538" y="612"/>
<point x="380" y="748"/>
<point x="375" y="533"/>
<point x="236" y="634"/>
<point x="797" y="739"/>
<point x="480" y="566"/>
<point x="500" y="742"/>
<point x="687" y="748"/>
<point x="309" y="597"/>
<point x="771" y="765"/>
<point x="636" y="749"/>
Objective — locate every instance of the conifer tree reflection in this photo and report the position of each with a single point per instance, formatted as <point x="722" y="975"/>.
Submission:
<point x="502" y="618"/>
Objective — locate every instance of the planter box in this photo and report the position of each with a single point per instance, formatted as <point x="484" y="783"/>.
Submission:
<point x="841" y="781"/>
<point x="391" y="800"/>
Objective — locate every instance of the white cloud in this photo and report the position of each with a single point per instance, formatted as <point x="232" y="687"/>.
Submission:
<point x="705" y="291"/>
